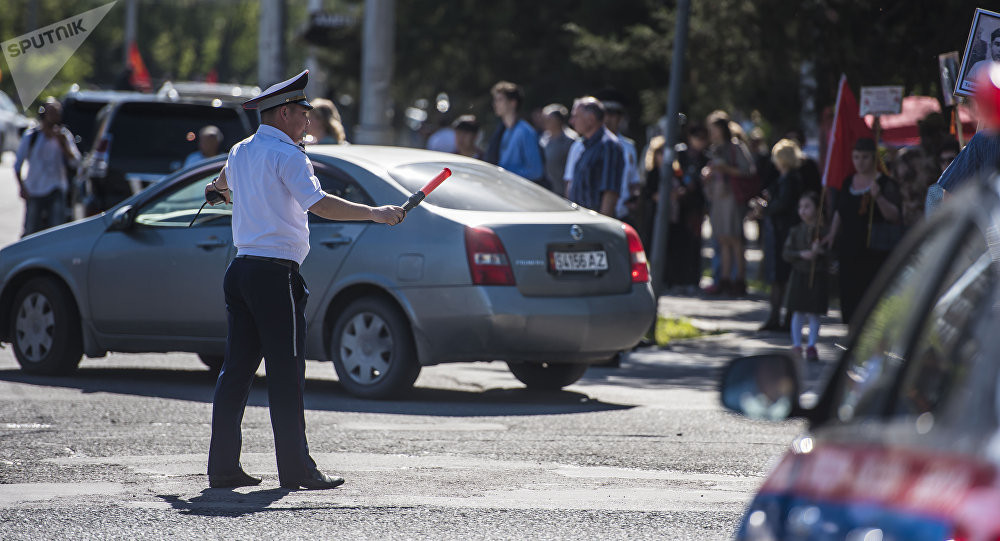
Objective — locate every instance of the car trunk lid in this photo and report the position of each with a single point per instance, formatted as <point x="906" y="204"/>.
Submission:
<point x="567" y="259"/>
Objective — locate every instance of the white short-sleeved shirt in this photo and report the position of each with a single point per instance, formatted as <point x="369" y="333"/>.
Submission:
<point x="575" y="150"/>
<point x="46" y="163"/>
<point x="273" y="187"/>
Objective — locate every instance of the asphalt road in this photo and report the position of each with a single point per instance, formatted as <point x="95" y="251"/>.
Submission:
<point x="642" y="452"/>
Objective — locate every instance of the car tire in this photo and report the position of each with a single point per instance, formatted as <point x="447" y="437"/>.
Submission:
<point x="213" y="362"/>
<point x="45" y="328"/>
<point x="547" y="376"/>
<point x="372" y="349"/>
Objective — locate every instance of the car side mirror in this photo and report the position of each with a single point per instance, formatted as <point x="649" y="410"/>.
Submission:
<point x="764" y="387"/>
<point x="123" y="219"/>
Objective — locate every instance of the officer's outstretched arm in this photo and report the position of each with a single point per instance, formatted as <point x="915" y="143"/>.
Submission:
<point x="332" y="207"/>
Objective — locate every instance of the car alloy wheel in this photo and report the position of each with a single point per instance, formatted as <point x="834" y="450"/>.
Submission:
<point x="45" y="327"/>
<point x="35" y="325"/>
<point x="366" y="348"/>
<point x="372" y="349"/>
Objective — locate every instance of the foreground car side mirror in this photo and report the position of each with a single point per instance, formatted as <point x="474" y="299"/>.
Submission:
<point x="123" y="219"/>
<point x="761" y="387"/>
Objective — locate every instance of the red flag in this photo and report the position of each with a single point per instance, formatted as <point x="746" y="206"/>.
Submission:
<point x="848" y="127"/>
<point x="140" y="76"/>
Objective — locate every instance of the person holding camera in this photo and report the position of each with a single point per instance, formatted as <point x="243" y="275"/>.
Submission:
<point x="49" y="150"/>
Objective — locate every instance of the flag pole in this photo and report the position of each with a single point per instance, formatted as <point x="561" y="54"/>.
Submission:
<point x="871" y="208"/>
<point x="820" y="220"/>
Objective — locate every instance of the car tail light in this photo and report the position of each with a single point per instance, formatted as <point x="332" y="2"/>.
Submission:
<point x="488" y="263"/>
<point x="637" y="256"/>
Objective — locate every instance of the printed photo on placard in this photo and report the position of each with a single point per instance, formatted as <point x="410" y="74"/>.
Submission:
<point x="982" y="49"/>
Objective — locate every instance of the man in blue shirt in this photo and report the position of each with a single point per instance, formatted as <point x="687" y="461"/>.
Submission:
<point x="597" y="175"/>
<point x="516" y="149"/>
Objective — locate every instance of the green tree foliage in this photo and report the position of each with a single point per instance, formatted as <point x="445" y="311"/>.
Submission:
<point x="180" y="39"/>
<point x="743" y="55"/>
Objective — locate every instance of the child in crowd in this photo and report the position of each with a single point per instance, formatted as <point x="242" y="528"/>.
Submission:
<point x="807" y="285"/>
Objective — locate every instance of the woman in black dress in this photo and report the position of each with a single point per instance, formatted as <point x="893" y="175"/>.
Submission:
<point x="865" y="208"/>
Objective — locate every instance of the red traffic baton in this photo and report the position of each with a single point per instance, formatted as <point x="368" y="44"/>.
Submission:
<point x="419" y="196"/>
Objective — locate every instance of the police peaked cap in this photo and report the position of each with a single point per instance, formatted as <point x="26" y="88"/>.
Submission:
<point x="291" y="91"/>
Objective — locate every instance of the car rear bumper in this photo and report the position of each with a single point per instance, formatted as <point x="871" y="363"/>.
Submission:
<point x="484" y="323"/>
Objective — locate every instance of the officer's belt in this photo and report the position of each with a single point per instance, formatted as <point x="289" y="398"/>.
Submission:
<point x="284" y="262"/>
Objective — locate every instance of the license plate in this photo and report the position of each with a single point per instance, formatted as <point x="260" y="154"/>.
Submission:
<point x="580" y="261"/>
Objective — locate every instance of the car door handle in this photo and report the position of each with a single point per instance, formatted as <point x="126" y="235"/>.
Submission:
<point x="334" y="242"/>
<point x="211" y="243"/>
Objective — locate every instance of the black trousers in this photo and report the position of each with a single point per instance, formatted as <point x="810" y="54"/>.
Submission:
<point x="265" y="302"/>
<point x="857" y="272"/>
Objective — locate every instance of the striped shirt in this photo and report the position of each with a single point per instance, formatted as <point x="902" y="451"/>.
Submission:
<point x="598" y="170"/>
<point x="981" y="155"/>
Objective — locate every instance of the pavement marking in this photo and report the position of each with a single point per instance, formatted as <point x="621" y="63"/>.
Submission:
<point x="446" y="426"/>
<point x="380" y="480"/>
<point x="27" y="492"/>
<point x="29" y="426"/>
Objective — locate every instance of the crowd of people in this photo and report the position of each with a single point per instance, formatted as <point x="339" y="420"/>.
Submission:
<point x="728" y="174"/>
<point x="579" y="152"/>
<point x="720" y="172"/>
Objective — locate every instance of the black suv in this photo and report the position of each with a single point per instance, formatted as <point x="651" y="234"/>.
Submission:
<point x="80" y="108"/>
<point x="138" y="142"/>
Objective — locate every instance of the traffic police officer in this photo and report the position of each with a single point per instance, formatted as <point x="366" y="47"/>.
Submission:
<point x="273" y="186"/>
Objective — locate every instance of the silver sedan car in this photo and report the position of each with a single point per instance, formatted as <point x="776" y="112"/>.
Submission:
<point x="489" y="267"/>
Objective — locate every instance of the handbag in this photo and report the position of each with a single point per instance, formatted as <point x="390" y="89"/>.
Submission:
<point x="744" y="187"/>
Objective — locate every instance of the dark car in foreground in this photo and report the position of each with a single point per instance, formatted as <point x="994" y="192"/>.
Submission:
<point x="489" y="267"/>
<point x="904" y="440"/>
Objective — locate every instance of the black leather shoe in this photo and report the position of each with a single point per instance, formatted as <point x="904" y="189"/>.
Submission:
<point x="317" y="480"/>
<point x="241" y="479"/>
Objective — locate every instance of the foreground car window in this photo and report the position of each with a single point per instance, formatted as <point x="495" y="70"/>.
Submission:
<point x="177" y="208"/>
<point x="340" y="185"/>
<point x="480" y="187"/>
<point x="944" y="351"/>
<point x="874" y="361"/>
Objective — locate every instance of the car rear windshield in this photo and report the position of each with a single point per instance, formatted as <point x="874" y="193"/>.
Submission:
<point x="157" y="137"/>
<point x="481" y="187"/>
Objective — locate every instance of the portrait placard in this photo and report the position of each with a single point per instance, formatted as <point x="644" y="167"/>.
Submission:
<point x="982" y="49"/>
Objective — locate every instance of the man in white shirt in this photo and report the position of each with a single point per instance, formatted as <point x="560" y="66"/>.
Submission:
<point x="273" y="187"/>
<point x="48" y="149"/>
<point x="573" y="156"/>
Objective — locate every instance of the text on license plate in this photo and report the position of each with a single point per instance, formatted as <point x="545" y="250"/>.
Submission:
<point x="580" y="261"/>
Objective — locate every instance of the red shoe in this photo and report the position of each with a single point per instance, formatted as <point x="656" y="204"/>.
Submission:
<point x="812" y="354"/>
<point x="797" y="352"/>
